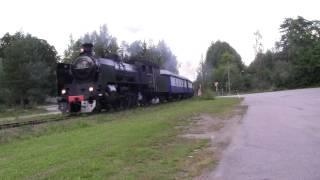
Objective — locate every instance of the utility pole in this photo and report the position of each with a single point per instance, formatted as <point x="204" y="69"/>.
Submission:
<point x="222" y="91"/>
<point x="229" y="77"/>
<point x="202" y="71"/>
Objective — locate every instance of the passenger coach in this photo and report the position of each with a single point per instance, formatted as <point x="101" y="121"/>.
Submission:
<point x="174" y="86"/>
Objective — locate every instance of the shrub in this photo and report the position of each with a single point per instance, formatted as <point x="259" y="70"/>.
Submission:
<point x="2" y="108"/>
<point x="208" y="94"/>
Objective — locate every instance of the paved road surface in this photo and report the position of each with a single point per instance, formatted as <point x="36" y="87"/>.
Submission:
<point x="279" y="139"/>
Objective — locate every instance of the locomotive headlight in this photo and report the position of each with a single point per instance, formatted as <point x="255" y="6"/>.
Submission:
<point x="63" y="91"/>
<point x="90" y="89"/>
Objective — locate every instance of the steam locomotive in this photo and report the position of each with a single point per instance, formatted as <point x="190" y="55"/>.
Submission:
<point x="91" y="84"/>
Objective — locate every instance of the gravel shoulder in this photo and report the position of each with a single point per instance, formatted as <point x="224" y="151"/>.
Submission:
<point x="218" y="130"/>
<point x="50" y="110"/>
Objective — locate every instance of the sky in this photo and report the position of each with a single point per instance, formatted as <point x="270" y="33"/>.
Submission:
<point x="187" y="26"/>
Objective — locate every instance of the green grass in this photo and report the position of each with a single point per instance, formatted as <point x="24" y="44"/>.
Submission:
<point x="142" y="143"/>
<point x="18" y="111"/>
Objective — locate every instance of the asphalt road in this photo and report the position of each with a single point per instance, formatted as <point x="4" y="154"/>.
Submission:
<point x="279" y="139"/>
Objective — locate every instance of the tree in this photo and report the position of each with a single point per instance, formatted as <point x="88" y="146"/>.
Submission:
<point x="124" y="51"/>
<point x="136" y="48"/>
<point x="227" y="73"/>
<point x="261" y="71"/>
<point x="222" y="64"/>
<point x="299" y="46"/>
<point x="72" y="50"/>
<point x="159" y="54"/>
<point x="296" y="61"/>
<point x="104" y="44"/>
<point x="2" y="89"/>
<point x="28" y="67"/>
<point x="258" y="46"/>
<point x="217" y="49"/>
<point x="202" y="74"/>
<point x="167" y="58"/>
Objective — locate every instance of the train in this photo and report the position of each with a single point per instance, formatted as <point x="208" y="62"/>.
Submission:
<point x="91" y="84"/>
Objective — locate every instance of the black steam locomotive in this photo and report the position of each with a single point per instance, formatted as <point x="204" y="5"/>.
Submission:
<point x="90" y="84"/>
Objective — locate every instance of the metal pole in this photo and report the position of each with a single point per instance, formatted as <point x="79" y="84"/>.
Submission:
<point x="229" y="77"/>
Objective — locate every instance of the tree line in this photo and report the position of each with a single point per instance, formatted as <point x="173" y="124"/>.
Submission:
<point x="294" y="62"/>
<point x="27" y="69"/>
<point x="28" y="64"/>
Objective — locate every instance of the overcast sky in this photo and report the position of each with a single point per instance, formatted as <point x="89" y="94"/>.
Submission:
<point x="188" y="27"/>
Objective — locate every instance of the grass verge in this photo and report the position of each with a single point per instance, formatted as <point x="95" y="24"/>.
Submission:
<point x="142" y="143"/>
<point x="19" y="111"/>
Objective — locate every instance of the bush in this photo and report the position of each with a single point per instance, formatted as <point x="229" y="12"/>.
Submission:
<point x="2" y="108"/>
<point x="208" y="94"/>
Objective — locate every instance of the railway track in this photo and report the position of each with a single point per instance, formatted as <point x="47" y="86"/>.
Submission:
<point x="9" y="125"/>
<point x="32" y="122"/>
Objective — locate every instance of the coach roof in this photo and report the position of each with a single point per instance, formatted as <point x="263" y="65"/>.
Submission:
<point x="166" y="72"/>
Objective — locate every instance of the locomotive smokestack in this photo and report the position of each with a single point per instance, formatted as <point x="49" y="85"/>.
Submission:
<point x="86" y="48"/>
